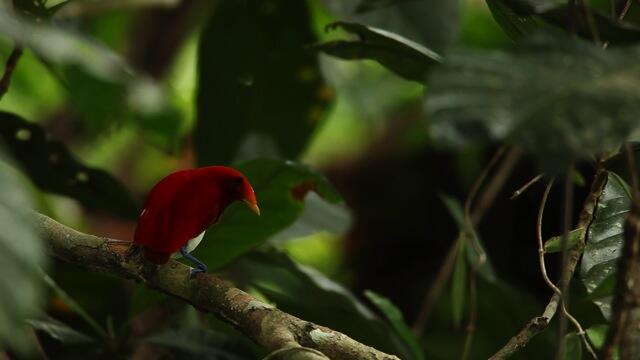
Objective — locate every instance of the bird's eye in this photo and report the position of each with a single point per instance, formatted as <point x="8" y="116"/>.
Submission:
<point x="237" y="181"/>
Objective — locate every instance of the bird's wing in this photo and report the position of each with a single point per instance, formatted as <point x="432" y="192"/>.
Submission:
<point x="177" y="209"/>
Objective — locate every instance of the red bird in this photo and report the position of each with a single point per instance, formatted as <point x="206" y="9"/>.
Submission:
<point x="181" y="207"/>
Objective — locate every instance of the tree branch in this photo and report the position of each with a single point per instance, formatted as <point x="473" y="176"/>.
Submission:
<point x="624" y="333"/>
<point x="263" y="323"/>
<point x="539" y="323"/>
<point x="10" y="65"/>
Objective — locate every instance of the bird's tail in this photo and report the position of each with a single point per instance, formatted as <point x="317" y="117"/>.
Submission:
<point x="155" y="257"/>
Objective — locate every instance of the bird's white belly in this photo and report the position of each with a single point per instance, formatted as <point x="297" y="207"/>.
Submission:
<point x="191" y="244"/>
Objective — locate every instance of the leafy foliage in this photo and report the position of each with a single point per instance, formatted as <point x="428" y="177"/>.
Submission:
<point x="604" y="241"/>
<point x="588" y="23"/>
<point x="433" y="23"/>
<point x="402" y="56"/>
<point x="280" y="187"/>
<point x="101" y="83"/>
<point x="260" y="92"/>
<point x="395" y="318"/>
<point x="555" y="97"/>
<point x="52" y="167"/>
<point x="21" y="259"/>
<point x="306" y="293"/>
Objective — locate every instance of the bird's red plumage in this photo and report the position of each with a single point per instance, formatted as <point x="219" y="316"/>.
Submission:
<point x="183" y="205"/>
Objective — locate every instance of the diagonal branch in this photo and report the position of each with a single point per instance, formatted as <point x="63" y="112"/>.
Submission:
<point x="264" y="324"/>
<point x="10" y="66"/>
<point x="539" y="323"/>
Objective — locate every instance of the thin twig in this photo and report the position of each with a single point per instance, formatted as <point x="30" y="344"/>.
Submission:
<point x="545" y="276"/>
<point x="436" y="289"/>
<point x="625" y="10"/>
<point x="9" y="67"/>
<point x="631" y="162"/>
<point x="447" y="265"/>
<point x="495" y="185"/>
<point x="479" y="181"/>
<point x="526" y="186"/>
<point x="473" y="315"/>
<point x="539" y="323"/>
<point x="591" y="23"/>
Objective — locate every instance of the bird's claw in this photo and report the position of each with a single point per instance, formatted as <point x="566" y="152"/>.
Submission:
<point x="196" y="271"/>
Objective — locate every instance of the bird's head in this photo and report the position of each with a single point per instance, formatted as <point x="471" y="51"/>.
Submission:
<point x="238" y="187"/>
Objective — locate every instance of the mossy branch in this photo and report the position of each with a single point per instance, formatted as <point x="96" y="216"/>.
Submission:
<point x="263" y="323"/>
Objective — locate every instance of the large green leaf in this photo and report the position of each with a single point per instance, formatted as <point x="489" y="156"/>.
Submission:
<point x="306" y="293"/>
<point x="400" y="55"/>
<point x="22" y="255"/>
<point x="604" y="241"/>
<point x="280" y="188"/>
<point x="521" y="13"/>
<point x="433" y="23"/>
<point x="102" y="85"/>
<point x="260" y="89"/>
<point x="572" y="347"/>
<point x="51" y="166"/>
<point x="395" y="318"/>
<point x="60" y="331"/>
<point x="560" y="98"/>
<point x="514" y="25"/>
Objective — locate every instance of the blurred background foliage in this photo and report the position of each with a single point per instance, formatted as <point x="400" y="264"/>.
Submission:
<point x="360" y="200"/>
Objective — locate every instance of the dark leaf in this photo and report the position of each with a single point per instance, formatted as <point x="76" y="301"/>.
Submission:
<point x="395" y="318"/>
<point x="404" y="57"/>
<point x="560" y="14"/>
<point x="306" y="293"/>
<point x="554" y="96"/>
<point x="52" y="168"/>
<point x="555" y="243"/>
<point x="196" y="341"/>
<point x="22" y="255"/>
<point x="459" y="286"/>
<point x="102" y="86"/>
<point x="432" y="23"/>
<point x="260" y="89"/>
<point x="604" y="241"/>
<point x="514" y="25"/>
<point x="280" y="187"/>
<point x="597" y="334"/>
<point x="60" y="331"/>
<point x="476" y="254"/>
<point x="572" y="347"/>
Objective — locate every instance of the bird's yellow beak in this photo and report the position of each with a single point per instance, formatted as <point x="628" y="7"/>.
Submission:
<point x="253" y="206"/>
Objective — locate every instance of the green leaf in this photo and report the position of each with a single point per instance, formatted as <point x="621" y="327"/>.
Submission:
<point x="60" y="331"/>
<point x="52" y="167"/>
<point x="572" y="347"/>
<point x="260" y="90"/>
<point x="476" y="254"/>
<point x="21" y="257"/>
<point x="432" y="23"/>
<point x="554" y="244"/>
<point x="404" y="57"/>
<point x="306" y="293"/>
<point x="605" y="289"/>
<point x="281" y="187"/>
<point x="597" y="334"/>
<point x="604" y="241"/>
<point x="556" y="97"/>
<point x="74" y="306"/>
<point x="395" y="318"/>
<point x="459" y="286"/>
<point x="101" y="84"/>
<point x="559" y="14"/>
<point x="197" y="341"/>
<point x="514" y="25"/>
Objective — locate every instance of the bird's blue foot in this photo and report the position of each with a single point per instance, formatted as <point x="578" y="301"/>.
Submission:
<point x="200" y="266"/>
